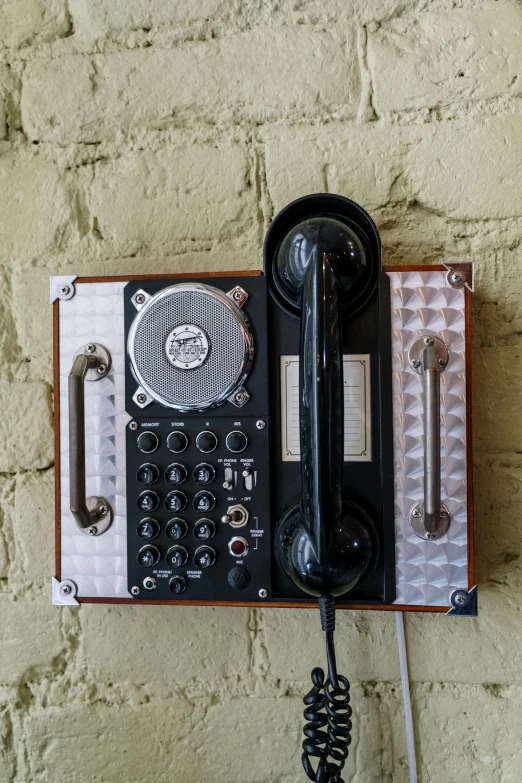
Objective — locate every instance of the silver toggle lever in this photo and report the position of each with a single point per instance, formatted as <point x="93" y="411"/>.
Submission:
<point x="428" y="357"/>
<point x="93" y="514"/>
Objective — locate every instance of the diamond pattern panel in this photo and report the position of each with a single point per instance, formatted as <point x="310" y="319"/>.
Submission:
<point x="424" y="303"/>
<point x="98" y="566"/>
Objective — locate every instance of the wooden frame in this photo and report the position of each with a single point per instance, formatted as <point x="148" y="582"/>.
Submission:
<point x="278" y="604"/>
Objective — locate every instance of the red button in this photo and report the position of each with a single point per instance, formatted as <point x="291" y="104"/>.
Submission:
<point x="238" y="547"/>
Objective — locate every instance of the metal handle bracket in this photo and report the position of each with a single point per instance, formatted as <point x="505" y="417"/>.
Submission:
<point x="429" y="356"/>
<point x="93" y="514"/>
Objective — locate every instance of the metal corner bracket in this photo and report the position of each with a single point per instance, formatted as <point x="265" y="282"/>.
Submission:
<point x="64" y="593"/>
<point x="464" y="603"/>
<point x="62" y="287"/>
<point x="461" y="274"/>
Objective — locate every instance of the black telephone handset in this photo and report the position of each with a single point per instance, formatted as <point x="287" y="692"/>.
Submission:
<point x="323" y="259"/>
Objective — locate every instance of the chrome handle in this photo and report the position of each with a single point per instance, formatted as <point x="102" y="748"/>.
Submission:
<point x="428" y="356"/>
<point x="93" y="514"/>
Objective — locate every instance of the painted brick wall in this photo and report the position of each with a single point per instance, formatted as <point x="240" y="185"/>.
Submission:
<point x="163" y="136"/>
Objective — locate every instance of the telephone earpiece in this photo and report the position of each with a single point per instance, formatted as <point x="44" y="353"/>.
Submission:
<point x="323" y="257"/>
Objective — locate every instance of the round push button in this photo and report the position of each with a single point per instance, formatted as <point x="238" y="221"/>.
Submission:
<point x="204" y="501"/>
<point x="148" y="501"/>
<point x="147" y="473"/>
<point x="177" y="585"/>
<point x="203" y="473"/>
<point x="176" y="529"/>
<point x="206" y="441"/>
<point x="175" y="473"/>
<point x="148" y="556"/>
<point x="175" y="501"/>
<point x="177" y="441"/>
<point x="176" y="556"/>
<point x="236" y="441"/>
<point x="205" y="557"/>
<point x="204" y="529"/>
<point x="148" y="528"/>
<point x="148" y="441"/>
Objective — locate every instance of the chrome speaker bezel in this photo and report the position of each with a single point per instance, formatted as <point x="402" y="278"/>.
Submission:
<point x="246" y="334"/>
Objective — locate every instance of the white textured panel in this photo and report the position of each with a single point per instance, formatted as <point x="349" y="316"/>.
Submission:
<point x="98" y="566"/>
<point x="428" y="571"/>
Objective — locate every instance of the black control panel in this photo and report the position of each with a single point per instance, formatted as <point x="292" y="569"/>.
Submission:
<point x="198" y="483"/>
<point x="198" y="500"/>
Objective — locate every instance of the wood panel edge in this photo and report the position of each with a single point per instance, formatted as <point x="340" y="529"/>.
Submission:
<point x="268" y="605"/>
<point x="469" y="441"/>
<point x="57" y="444"/>
<point x="174" y="276"/>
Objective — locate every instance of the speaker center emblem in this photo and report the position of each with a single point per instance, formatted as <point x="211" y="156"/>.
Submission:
<point x="187" y="346"/>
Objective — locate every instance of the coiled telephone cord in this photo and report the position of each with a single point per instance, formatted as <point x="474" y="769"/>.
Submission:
<point x="328" y="711"/>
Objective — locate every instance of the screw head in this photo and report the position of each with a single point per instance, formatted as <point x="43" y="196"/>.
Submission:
<point x="260" y="424"/>
<point x="263" y="593"/>
<point x="442" y="362"/>
<point x="456" y="277"/>
<point x="428" y="341"/>
<point x="240" y="397"/>
<point x="139" y="298"/>
<point x="416" y="512"/>
<point x="135" y="590"/>
<point x="238" y="295"/>
<point x="460" y="599"/>
<point x="90" y="348"/>
<point x="103" y="510"/>
<point x="91" y="531"/>
<point x="101" y="368"/>
<point x="141" y="398"/>
<point x="65" y="289"/>
<point x="431" y="536"/>
<point x="66" y="589"/>
<point x="133" y="425"/>
<point x="415" y="363"/>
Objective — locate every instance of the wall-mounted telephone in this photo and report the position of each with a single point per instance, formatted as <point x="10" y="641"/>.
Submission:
<point x="276" y="438"/>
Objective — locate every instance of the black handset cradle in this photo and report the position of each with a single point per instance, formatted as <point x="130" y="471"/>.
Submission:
<point x="324" y="268"/>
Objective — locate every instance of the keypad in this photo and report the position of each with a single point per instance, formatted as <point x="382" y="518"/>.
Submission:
<point x="191" y="498"/>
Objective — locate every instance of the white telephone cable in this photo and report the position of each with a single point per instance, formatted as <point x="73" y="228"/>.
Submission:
<point x="403" y="659"/>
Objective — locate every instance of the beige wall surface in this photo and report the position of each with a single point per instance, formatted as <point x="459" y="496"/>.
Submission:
<point x="146" y="135"/>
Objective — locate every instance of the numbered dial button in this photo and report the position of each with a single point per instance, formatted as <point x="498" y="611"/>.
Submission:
<point x="176" y="557"/>
<point x="175" y="473"/>
<point x="206" y="441"/>
<point x="148" y="442"/>
<point x="236" y="441"/>
<point x="204" y="529"/>
<point x="176" y="529"/>
<point x="204" y="501"/>
<point x="177" y="441"/>
<point x="148" y="556"/>
<point x="148" y="528"/>
<point x="175" y="501"/>
<point x="204" y="557"/>
<point x="148" y="473"/>
<point x="177" y="585"/>
<point x="148" y="501"/>
<point x="203" y="473"/>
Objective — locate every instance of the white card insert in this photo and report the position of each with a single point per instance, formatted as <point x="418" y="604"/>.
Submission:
<point x="357" y="411"/>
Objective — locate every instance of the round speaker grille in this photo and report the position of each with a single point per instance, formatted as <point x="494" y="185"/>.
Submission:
<point x="190" y="346"/>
